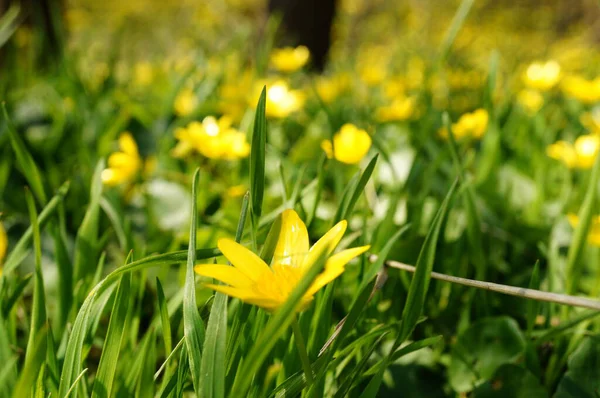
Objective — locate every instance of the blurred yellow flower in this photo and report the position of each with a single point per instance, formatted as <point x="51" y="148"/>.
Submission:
<point x="372" y="74"/>
<point x="213" y="138"/>
<point x="594" y="232"/>
<point x="185" y="102"/>
<point x="281" y="100"/>
<point x="473" y="124"/>
<point x="542" y="76"/>
<point x="123" y="166"/>
<point x="400" y="109"/>
<point x="350" y="144"/>
<point x="289" y="59"/>
<point x="143" y="73"/>
<point x="581" y="155"/>
<point x="530" y="100"/>
<point x="233" y="93"/>
<point x="329" y="88"/>
<point x="236" y="191"/>
<point x="591" y="120"/>
<point x="586" y="91"/>
<point x="3" y="244"/>
<point x="253" y="281"/>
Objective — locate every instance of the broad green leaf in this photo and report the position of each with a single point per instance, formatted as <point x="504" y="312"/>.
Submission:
<point x="511" y="381"/>
<point x="359" y="188"/>
<point x="193" y="325"/>
<point x="582" y="378"/>
<point x="481" y="349"/>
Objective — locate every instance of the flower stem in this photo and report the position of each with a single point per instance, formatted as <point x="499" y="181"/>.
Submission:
<point x="302" y="351"/>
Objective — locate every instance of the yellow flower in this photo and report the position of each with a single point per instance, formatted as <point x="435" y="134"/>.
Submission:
<point x="236" y="191"/>
<point x="281" y="101"/>
<point x="123" y="166"/>
<point x="581" y="155"/>
<point x="143" y="73"/>
<point x="350" y="144"/>
<point x="591" y="120"/>
<point x="530" y="100"/>
<point x="586" y="91"/>
<point x="253" y="281"/>
<point x="400" y="109"/>
<point x="213" y="138"/>
<point x="185" y="102"/>
<point x="594" y="232"/>
<point x="289" y="59"/>
<point x="473" y="124"/>
<point x="3" y="244"/>
<point x="372" y="74"/>
<point x="542" y="76"/>
<point x="329" y="88"/>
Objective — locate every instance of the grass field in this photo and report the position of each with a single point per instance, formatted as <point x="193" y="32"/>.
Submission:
<point x="187" y="208"/>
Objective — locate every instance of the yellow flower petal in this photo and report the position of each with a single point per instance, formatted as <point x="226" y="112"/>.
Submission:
<point x="112" y="177"/>
<point x="335" y="267"/>
<point x="224" y="273"/>
<point x="326" y="244"/>
<point x="127" y="144"/>
<point x="241" y="293"/>
<point x="119" y="160"/>
<point x="293" y="239"/>
<point x="243" y="259"/>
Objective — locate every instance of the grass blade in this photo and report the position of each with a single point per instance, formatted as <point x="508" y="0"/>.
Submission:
<point x="25" y="161"/>
<point x="257" y="159"/>
<point x="103" y="383"/>
<point x="193" y="325"/>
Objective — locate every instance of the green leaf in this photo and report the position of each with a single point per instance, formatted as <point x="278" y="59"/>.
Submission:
<point x="65" y="275"/>
<point x="257" y="158"/>
<point x="38" y="310"/>
<point x="417" y="291"/>
<point x="103" y="383"/>
<point x="457" y="22"/>
<point x="582" y="378"/>
<point x="164" y="317"/>
<point x="215" y="348"/>
<point x="34" y="359"/>
<point x="574" y="267"/>
<point x="19" y="251"/>
<point x="344" y="389"/>
<point x="192" y="323"/>
<point x="86" y="250"/>
<point x="420" y="281"/>
<point x="512" y="381"/>
<point x="358" y="189"/>
<point x="533" y="305"/>
<point x="481" y="349"/>
<point x="25" y="161"/>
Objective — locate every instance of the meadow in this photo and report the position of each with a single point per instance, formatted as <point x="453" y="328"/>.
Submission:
<point x="189" y="208"/>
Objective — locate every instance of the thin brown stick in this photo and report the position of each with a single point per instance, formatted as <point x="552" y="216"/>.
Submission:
<point x="531" y="294"/>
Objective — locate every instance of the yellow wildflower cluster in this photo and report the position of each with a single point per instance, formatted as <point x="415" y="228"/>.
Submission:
<point x="255" y="282"/>
<point x="213" y="138"/>
<point x="542" y="76"/>
<point x="281" y="100"/>
<point x="401" y="108"/>
<point x="580" y="155"/>
<point x="185" y="102"/>
<point x="289" y="59"/>
<point x="350" y="144"/>
<point x="530" y="100"/>
<point x="586" y="91"/>
<point x="473" y="124"/>
<point x="123" y="166"/>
